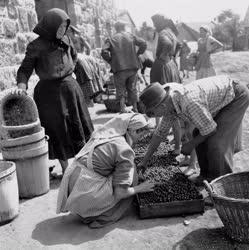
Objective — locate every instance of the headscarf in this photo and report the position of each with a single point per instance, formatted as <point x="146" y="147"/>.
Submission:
<point x="50" y="23"/>
<point x="117" y="126"/>
<point x="161" y="22"/>
<point x="207" y="29"/>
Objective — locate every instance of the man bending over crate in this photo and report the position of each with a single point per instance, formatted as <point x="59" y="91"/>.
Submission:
<point x="215" y="106"/>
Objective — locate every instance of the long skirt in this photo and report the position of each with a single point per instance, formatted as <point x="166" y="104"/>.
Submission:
<point x="64" y="115"/>
<point x="164" y="72"/>
<point x="215" y="155"/>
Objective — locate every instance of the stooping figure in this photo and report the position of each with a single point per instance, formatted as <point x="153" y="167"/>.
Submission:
<point x="100" y="183"/>
<point x="215" y="106"/>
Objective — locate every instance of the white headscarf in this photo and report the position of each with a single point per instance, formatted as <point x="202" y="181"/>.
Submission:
<point x="117" y="126"/>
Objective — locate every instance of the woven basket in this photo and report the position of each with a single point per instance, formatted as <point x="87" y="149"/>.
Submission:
<point x="112" y="105"/>
<point x="18" y="115"/>
<point x="230" y="194"/>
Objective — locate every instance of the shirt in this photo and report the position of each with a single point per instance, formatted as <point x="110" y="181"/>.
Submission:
<point x="197" y="102"/>
<point x="120" y="51"/>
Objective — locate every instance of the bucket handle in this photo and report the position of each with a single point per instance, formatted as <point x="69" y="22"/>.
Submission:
<point x="46" y="137"/>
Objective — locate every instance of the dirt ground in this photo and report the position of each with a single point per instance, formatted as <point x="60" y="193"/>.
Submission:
<point x="38" y="226"/>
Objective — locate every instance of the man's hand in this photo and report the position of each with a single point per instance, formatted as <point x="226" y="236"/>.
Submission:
<point x="20" y="90"/>
<point x="187" y="148"/>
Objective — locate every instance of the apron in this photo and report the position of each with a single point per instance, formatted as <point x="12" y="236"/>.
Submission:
<point x="92" y="193"/>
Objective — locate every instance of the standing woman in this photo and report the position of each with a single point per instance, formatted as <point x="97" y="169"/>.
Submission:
<point x="164" y="69"/>
<point x="184" y="52"/>
<point x="59" y="99"/>
<point x="206" y="46"/>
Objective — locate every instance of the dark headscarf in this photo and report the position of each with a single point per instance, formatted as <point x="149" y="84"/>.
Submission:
<point x="50" y="23"/>
<point x="161" y="22"/>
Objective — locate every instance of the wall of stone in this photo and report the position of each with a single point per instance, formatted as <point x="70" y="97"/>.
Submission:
<point x="18" y="17"/>
<point x="17" y="20"/>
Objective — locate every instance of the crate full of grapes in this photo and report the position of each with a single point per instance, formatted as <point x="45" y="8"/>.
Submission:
<point x="173" y="194"/>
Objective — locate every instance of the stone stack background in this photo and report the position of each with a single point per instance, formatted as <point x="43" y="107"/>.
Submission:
<point x="94" y="18"/>
<point x="17" y="20"/>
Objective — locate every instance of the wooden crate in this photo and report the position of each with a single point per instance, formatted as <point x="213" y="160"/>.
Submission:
<point x="166" y="209"/>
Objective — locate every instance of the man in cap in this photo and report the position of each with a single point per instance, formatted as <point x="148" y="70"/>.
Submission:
<point x="120" y="52"/>
<point x="215" y="106"/>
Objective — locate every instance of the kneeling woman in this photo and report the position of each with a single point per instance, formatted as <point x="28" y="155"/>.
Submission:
<point x="100" y="183"/>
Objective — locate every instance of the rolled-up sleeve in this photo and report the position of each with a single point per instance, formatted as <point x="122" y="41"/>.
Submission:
<point x="124" y="165"/>
<point x="28" y="64"/>
<point x="165" y="125"/>
<point x="201" y="118"/>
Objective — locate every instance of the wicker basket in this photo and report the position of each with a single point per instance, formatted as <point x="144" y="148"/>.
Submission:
<point x="112" y="105"/>
<point x="18" y="115"/>
<point x="230" y="194"/>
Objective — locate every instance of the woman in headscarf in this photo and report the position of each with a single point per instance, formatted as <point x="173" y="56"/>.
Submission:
<point x="164" y="69"/>
<point x="100" y="183"/>
<point x="59" y="99"/>
<point x="206" y="46"/>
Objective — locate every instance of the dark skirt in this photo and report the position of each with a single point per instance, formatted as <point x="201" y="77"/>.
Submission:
<point x="64" y="115"/>
<point x="164" y="72"/>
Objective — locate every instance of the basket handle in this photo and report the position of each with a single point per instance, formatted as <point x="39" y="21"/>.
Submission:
<point x="209" y="188"/>
<point x="18" y="127"/>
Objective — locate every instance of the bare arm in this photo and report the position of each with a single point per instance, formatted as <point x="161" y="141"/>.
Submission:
<point x="123" y="192"/>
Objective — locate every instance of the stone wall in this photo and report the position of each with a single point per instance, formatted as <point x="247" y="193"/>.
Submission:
<point x="17" y="20"/>
<point x="18" y="17"/>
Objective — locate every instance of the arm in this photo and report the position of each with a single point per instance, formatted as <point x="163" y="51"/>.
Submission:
<point x="142" y="46"/>
<point x="213" y="45"/>
<point x="28" y="64"/>
<point x="123" y="192"/>
<point x="203" y="121"/>
<point x="177" y="136"/>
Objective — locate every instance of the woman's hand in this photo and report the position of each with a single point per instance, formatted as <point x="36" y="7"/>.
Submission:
<point x="145" y="187"/>
<point x="20" y="90"/>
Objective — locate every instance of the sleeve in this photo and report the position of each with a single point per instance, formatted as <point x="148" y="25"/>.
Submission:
<point x="124" y="164"/>
<point x="73" y="53"/>
<point x="105" y="52"/>
<point x="142" y="45"/>
<point x="165" y="125"/>
<point x="201" y="118"/>
<point x="28" y="64"/>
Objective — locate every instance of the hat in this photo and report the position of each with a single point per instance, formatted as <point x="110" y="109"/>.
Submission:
<point x="152" y="96"/>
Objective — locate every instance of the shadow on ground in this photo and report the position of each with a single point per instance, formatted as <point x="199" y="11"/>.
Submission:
<point x="68" y="229"/>
<point x="204" y="238"/>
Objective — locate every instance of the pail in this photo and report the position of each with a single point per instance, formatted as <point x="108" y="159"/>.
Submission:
<point x="9" y="200"/>
<point x="32" y="166"/>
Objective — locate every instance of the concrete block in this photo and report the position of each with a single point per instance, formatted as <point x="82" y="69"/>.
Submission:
<point x="23" y="19"/>
<point x="21" y="43"/>
<point x="12" y="11"/>
<point x="9" y="27"/>
<point x="7" y="52"/>
<point x="7" y="77"/>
